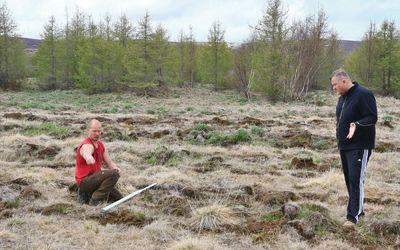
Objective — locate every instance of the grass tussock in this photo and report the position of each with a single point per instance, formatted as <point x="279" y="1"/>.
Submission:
<point x="214" y="217"/>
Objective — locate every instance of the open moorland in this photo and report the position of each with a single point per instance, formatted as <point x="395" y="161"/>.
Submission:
<point x="231" y="174"/>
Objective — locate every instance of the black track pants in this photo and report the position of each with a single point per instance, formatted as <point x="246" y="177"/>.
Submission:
<point x="354" y="163"/>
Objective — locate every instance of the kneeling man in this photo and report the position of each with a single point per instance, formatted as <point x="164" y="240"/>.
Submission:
<point x="95" y="185"/>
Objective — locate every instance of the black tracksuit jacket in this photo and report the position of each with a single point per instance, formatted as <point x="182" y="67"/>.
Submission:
<point x="358" y="105"/>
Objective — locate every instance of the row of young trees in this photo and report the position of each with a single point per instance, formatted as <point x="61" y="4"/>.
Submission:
<point x="284" y="60"/>
<point x="112" y="55"/>
<point x="377" y="61"/>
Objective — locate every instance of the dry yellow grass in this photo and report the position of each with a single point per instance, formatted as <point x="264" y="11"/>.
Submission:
<point x="213" y="217"/>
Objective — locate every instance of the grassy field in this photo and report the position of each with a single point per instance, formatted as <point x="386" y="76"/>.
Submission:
<point x="225" y="168"/>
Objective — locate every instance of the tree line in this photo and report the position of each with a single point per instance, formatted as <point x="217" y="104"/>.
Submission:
<point x="281" y="59"/>
<point x="376" y="62"/>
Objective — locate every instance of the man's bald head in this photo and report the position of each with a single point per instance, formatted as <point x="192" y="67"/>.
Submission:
<point x="93" y="122"/>
<point x="94" y="129"/>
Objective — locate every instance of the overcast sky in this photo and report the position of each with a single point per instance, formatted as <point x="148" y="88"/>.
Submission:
<point x="350" y="18"/>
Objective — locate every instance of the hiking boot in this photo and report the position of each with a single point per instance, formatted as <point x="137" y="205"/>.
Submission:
<point x="83" y="197"/>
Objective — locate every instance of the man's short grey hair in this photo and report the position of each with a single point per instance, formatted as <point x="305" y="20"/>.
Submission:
<point x="340" y="74"/>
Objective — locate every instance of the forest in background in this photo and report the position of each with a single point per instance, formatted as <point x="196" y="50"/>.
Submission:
<point x="282" y="60"/>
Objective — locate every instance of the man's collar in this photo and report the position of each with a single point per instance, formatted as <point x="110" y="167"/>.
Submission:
<point x="351" y="89"/>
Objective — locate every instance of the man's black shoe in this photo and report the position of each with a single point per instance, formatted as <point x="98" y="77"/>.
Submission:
<point x="83" y="197"/>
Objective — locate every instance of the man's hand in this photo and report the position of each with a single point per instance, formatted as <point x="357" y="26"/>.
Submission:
<point x="351" y="130"/>
<point x="118" y="169"/>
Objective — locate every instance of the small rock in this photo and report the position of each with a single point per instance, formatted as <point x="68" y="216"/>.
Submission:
<point x="30" y="193"/>
<point x="290" y="209"/>
<point x="200" y="138"/>
<point x="7" y="194"/>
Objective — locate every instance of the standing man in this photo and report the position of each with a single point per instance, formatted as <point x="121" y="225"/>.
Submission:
<point x="95" y="185"/>
<point x="356" y="115"/>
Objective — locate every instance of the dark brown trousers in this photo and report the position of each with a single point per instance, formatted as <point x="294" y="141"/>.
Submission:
<point x="101" y="186"/>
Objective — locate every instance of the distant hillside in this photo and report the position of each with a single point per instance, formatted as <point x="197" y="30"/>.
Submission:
<point x="349" y="46"/>
<point x="31" y="44"/>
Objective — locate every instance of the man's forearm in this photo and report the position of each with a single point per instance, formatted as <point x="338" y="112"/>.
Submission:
<point x="86" y="153"/>
<point x="367" y="121"/>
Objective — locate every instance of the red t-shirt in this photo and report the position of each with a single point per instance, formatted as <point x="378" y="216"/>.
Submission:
<point x="82" y="169"/>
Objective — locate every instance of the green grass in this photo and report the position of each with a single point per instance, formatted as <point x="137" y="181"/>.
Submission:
<point x="387" y="118"/>
<point x="207" y="112"/>
<point x="323" y="144"/>
<point x="307" y="210"/>
<point x="112" y="110"/>
<point x="240" y="135"/>
<point x="159" y="110"/>
<point x="140" y="215"/>
<point x="47" y="128"/>
<point x="12" y="204"/>
<point x="40" y="105"/>
<point x="162" y="110"/>
<point x="202" y="127"/>
<point x="161" y="155"/>
<point x="150" y="111"/>
<point x="316" y="99"/>
<point x="272" y="216"/>
<point x="321" y="231"/>
<point x="254" y="130"/>
<point x="152" y="160"/>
